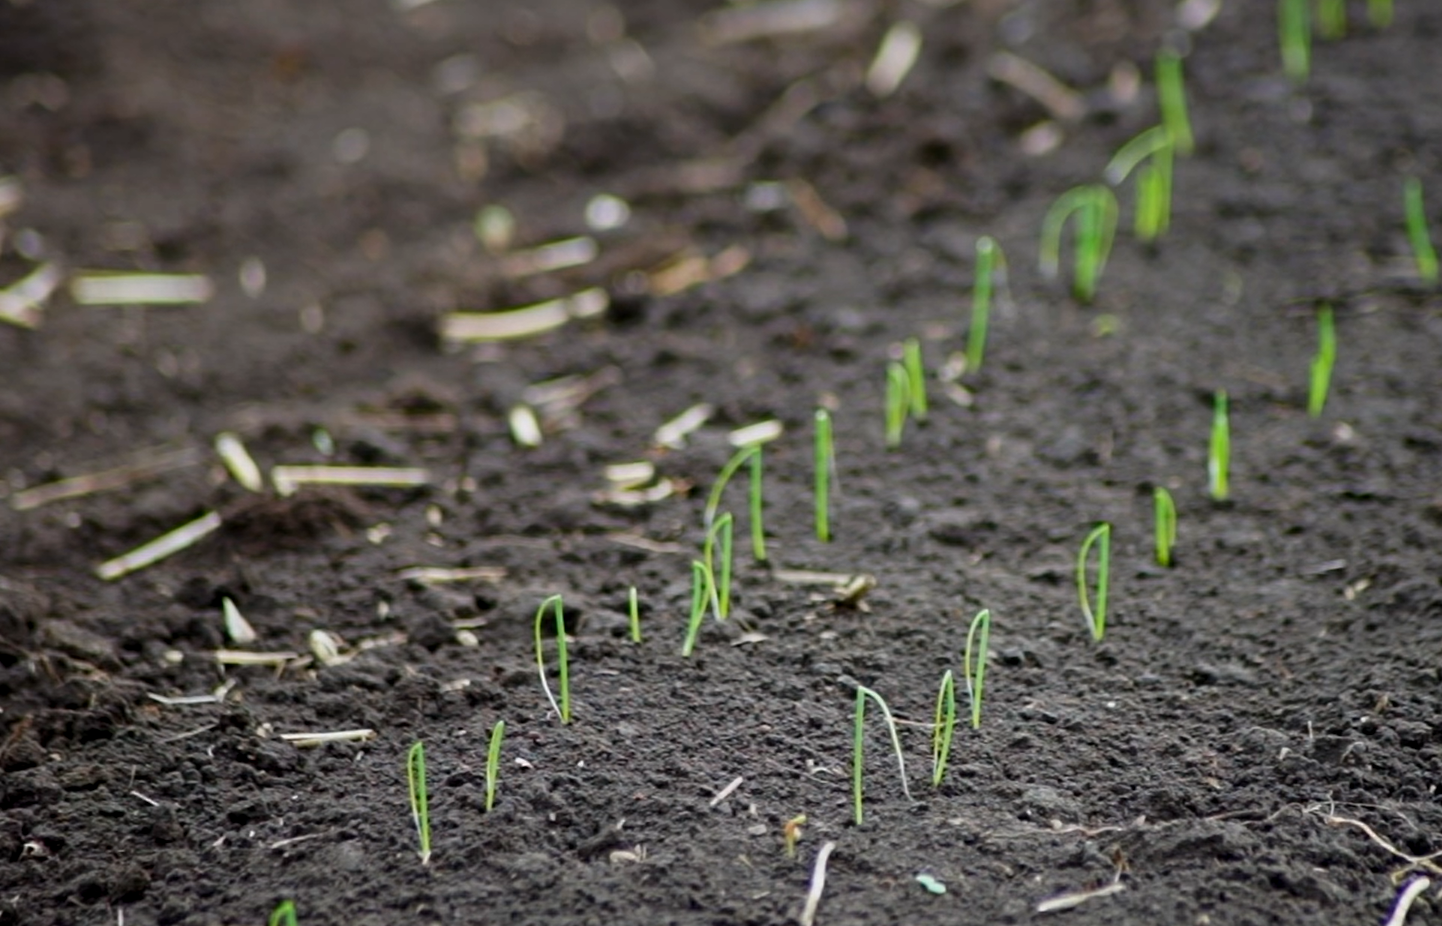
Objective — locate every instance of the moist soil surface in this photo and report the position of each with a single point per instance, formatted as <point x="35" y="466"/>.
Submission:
<point x="1256" y="739"/>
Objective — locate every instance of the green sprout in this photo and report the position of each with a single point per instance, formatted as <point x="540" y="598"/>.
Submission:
<point x="1294" y="32"/>
<point x="825" y="460"/>
<point x="1154" y="179"/>
<point x="1219" y="452"/>
<point x="563" y="709"/>
<point x="791" y="833"/>
<point x="1322" y="363"/>
<point x="990" y="269"/>
<point x="701" y="593"/>
<point x="857" y="764"/>
<point x="758" y="529"/>
<point x="943" y="725"/>
<point x="493" y="763"/>
<point x="1172" y="100"/>
<point x="1164" y="519"/>
<point x="1095" y="208"/>
<point x="1096" y="618"/>
<point x="1417" y="231"/>
<point x="974" y="670"/>
<point x="1379" y="13"/>
<point x="898" y="403"/>
<point x="283" y="914"/>
<point x="1332" y="18"/>
<point x="915" y="377"/>
<point x="634" y="609"/>
<point x="713" y="501"/>
<point x="420" y="805"/>
<point x="721" y="590"/>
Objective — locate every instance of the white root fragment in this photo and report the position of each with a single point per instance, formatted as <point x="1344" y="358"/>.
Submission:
<point x="525" y="429"/>
<point x="303" y="740"/>
<point x="238" y="461"/>
<point x="159" y="548"/>
<point x="440" y="575"/>
<point x="673" y="433"/>
<point x="727" y="791"/>
<point x="237" y="628"/>
<point x="557" y="255"/>
<point x="1063" y="102"/>
<point x="896" y="56"/>
<point x="818" y="884"/>
<point x="525" y="321"/>
<point x="287" y="479"/>
<point x="759" y="433"/>
<point x="101" y="288"/>
<point x="104" y="481"/>
<point x="1077" y="898"/>
<point x="22" y="301"/>
<point x="1410" y="892"/>
<point x="236" y="657"/>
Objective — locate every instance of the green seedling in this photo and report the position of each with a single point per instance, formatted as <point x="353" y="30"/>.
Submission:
<point x="825" y="462"/>
<point x="758" y="528"/>
<point x="1332" y="18"/>
<point x="857" y="755"/>
<point x="633" y="608"/>
<point x="283" y="914"/>
<point x="563" y="709"/>
<point x="791" y="833"/>
<point x="1379" y="13"/>
<point x="1294" y="33"/>
<point x="898" y="403"/>
<point x="713" y="501"/>
<point x="1096" y="616"/>
<point x="1150" y="153"/>
<point x="915" y="377"/>
<point x="750" y="453"/>
<point x="721" y="590"/>
<point x="990" y="270"/>
<point x="1164" y="520"/>
<point x="943" y="726"/>
<point x="1219" y="452"/>
<point x="1172" y="100"/>
<point x="974" y="662"/>
<point x="701" y="593"/>
<point x="420" y="804"/>
<point x="493" y="763"/>
<point x="1321" y="372"/>
<point x="1095" y="209"/>
<point x="1417" y="232"/>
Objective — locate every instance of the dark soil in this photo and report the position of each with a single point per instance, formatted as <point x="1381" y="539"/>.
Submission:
<point x="1284" y="675"/>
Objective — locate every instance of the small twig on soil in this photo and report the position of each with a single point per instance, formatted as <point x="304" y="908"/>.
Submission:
<point x="105" y="481"/>
<point x="440" y="575"/>
<point x="673" y="433"/>
<point x="523" y="322"/>
<point x="289" y="478"/>
<point x="818" y="884"/>
<point x="1063" y="102"/>
<point x="727" y="791"/>
<point x="159" y="548"/>
<point x="1403" y="904"/>
<point x="554" y="255"/>
<point x="1077" y="898"/>
<point x="238" y="461"/>
<point x="1424" y="862"/>
<point x="235" y="657"/>
<point x="303" y="740"/>
<point x="282" y="843"/>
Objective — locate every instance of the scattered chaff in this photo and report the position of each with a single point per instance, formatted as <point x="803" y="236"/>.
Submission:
<point x="771" y="20"/>
<point x="215" y="697"/>
<point x="238" y="461"/>
<point x="1403" y="904"/>
<point x="326" y="647"/>
<point x="287" y="479"/>
<point x="556" y="255"/>
<point x="105" y="288"/>
<point x="636" y="497"/>
<point x="691" y="270"/>
<point x="1077" y="898"/>
<point x="558" y="400"/>
<point x="22" y="301"/>
<point x="894" y="59"/>
<point x="1427" y="863"/>
<point x="525" y="429"/>
<point x="818" y="884"/>
<point x="1060" y="100"/>
<point x="442" y="575"/>
<point x="630" y="475"/>
<point x="523" y="322"/>
<point x="673" y="433"/>
<point x="236" y="657"/>
<point x="304" y="740"/>
<point x="636" y="541"/>
<point x="761" y="432"/>
<point x="282" y="843"/>
<point x="818" y="213"/>
<point x="237" y="628"/>
<point x="159" y="548"/>
<point x="105" y="481"/>
<point x="727" y="791"/>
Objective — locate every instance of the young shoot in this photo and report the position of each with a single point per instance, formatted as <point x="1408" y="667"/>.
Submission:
<point x="990" y="270"/>
<point x="898" y="403"/>
<point x="701" y="593"/>
<point x="974" y="662"/>
<point x="791" y="833"/>
<point x="1326" y="356"/>
<point x="943" y="726"/>
<point x="721" y="590"/>
<point x="1332" y="19"/>
<point x="420" y="804"/>
<point x="758" y="528"/>
<point x="633" y="608"/>
<point x="1379" y="13"/>
<point x="1172" y="100"/>
<point x="1096" y="615"/>
<point x="915" y="377"/>
<point x="1219" y="452"/>
<point x="1417" y="233"/>
<point x="1150" y="153"/>
<point x="493" y="763"/>
<point x="857" y="754"/>
<point x="825" y="462"/>
<point x="562" y="709"/>
<point x="1164" y="521"/>
<point x="1294" y="33"/>
<point x="733" y="465"/>
<point x="283" y="914"/>
<point x="1095" y="209"/>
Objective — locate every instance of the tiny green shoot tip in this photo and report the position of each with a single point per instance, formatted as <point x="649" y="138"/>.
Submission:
<point x="563" y="708"/>
<point x="1164" y="518"/>
<point x="1322" y="363"/>
<point x="420" y="802"/>
<point x="1219" y="451"/>
<point x="1096" y="616"/>
<point x="943" y="727"/>
<point x="974" y="662"/>
<point x="898" y="403"/>
<point x="824" y="461"/>
<point x="1417" y="232"/>
<point x="858" y="753"/>
<point x="1094" y="208"/>
<point x="493" y="763"/>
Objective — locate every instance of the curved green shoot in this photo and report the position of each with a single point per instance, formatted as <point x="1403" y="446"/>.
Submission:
<point x="1294" y="34"/>
<point x="633" y="608"/>
<point x="825" y="462"/>
<point x="420" y="804"/>
<point x="990" y="269"/>
<point x="1154" y="179"/>
<point x="1095" y="209"/>
<point x="562" y="709"/>
<point x="943" y="726"/>
<point x="1379" y="13"/>
<point x="974" y="662"/>
<point x="1164" y="521"/>
<point x="898" y="403"/>
<point x="493" y="763"/>
<point x="1417" y="233"/>
<point x="1096" y="617"/>
<point x="713" y="501"/>
<point x="721" y="590"/>
<point x="758" y="528"/>
<point x="857" y="763"/>
<point x="283" y="914"/>
<point x="1326" y="357"/>
<point x="915" y="377"/>
<point x="700" y="594"/>
<point x="1332" y="18"/>
<point x="1219" y="451"/>
<point x="1172" y="100"/>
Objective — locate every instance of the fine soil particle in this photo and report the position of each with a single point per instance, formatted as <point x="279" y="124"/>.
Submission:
<point x="1256" y="739"/>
